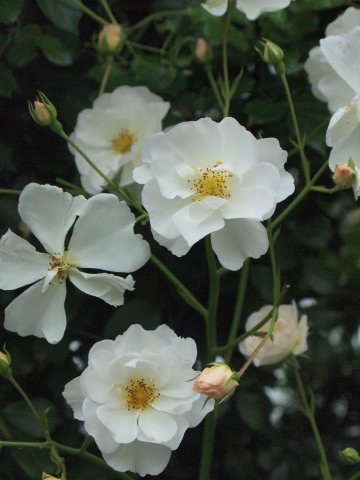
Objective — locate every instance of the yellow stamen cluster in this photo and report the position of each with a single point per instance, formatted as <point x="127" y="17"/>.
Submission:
<point x="140" y="393"/>
<point x="210" y="183"/>
<point x="123" y="142"/>
<point x="62" y="265"/>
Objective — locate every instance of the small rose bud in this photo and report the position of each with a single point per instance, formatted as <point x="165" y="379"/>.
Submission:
<point x="44" y="113"/>
<point x="41" y="113"/>
<point x="272" y="54"/>
<point x="202" y="51"/>
<point x="46" y="476"/>
<point x="109" y="39"/>
<point x="344" y="176"/>
<point x="350" y="456"/>
<point x="217" y="381"/>
<point x="5" y="361"/>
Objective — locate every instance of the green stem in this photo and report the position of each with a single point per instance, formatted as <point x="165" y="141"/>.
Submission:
<point x="89" y="12"/>
<point x="108" y="11"/>
<point x="239" y="304"/>
<point x="299" y="140"/>
<point x="106" y="75"/>
<point x="277" y="221"/>
<point x="308" y="411"/>
<point x="183" y="291"/>
<point x="208" y="445"/>
<point x="29" y="404"/>
<point x="158" y="15"/>
<point x="213" y="301"/>
<point x="321" y="189"/>
<point x="70" y="451"/>
<point x="9" y="191"/>
<point x="43" y="425"/>
<point x="253" y="330"/>
<point x="129" y="198"/>
<point x="226" y="84"/>
<point x="214" y="86"/>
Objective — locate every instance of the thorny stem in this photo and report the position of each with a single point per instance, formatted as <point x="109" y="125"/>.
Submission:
<point x="214" y="288"/>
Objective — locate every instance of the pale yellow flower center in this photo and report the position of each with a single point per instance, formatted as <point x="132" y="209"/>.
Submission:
<point x="62" y="265"/>
<point x="140" y="393"/>
<point x="123" y="142"/>
<point x="211" y="183"/>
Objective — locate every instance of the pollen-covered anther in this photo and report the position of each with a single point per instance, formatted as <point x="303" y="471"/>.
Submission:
<point x="62" y="266"/>
<point x="123" y="142"/>
<point x="140" y="393"/>
<point x="211" y="183"/>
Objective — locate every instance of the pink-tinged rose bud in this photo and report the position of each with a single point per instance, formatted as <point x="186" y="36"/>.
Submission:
<point x="216" y="381"/>
<point x="289" y="335"/>
<point x="41" y="113"/>
<point x="202" y="50"/>
<point x="109" y="39"/>
<point x="344" y="176"/>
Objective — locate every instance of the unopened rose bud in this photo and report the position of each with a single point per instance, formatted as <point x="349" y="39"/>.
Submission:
<point x="344" y="176"/>
<point x="202" y="50"/>
<point x="350" y="456"/>
<point x="217" y="381"/>
<point x="5" y="361"/>
<point x="272" y="54"/>
<point x="44" y="113"/>
<point x="109" y="39"/>
<point x="41" y="113"/>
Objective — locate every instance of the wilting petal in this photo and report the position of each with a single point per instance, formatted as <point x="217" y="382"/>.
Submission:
<point x="39" y="314"/>
<point x="109" y="288"/>
<point x="20" y="263"/>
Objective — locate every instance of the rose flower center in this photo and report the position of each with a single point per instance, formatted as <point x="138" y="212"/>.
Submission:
<point x="59" y="262"/>
<point x="211" y="183"/>
<point x="123" y="142"/>
<point x="140" y="393"/>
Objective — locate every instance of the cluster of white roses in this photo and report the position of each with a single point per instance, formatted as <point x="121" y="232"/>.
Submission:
<point x="333" y="69"/>
<point x="199" y="178"/>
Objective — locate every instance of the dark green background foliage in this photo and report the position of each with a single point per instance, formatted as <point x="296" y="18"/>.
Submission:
<point x="48" y="45"/>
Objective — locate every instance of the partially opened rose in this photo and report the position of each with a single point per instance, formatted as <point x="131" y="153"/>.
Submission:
<point x="289" y="336"/>
<point x="252" y="8"/>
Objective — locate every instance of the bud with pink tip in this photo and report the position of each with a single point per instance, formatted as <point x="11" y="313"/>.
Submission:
<point x="202" y="51"/>
<point x="217" y="381"/>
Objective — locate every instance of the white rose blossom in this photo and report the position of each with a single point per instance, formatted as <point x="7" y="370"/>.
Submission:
<point x="252" y="8"/>
<point x="102" y="238"/>
<point x="136" y="399"/>
<point x="289" y="335"/>
<point x="343" y="135"/>
<point x="330" y="67"/>
<point x="213" y="178"/>
<point x="113" y="132"/>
